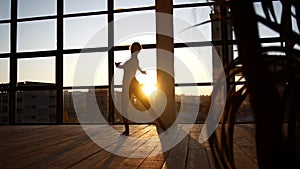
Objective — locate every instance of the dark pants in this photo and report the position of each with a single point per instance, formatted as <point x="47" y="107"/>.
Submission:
<point x="136" y="89"/>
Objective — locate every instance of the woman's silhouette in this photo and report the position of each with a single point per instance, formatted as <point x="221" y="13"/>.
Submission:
<point x="132" y="86"/>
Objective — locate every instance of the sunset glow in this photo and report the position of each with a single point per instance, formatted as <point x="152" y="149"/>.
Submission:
<point x="148" y="89"/>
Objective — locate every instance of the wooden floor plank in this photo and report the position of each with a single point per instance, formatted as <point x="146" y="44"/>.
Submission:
<point x="244" y="137"/>
<point x="209" y="155"/>
<point x="242" y="160"/>
<point x="178" y="154"/>
<point x="95" y="149"/>
<point x="147" y="147"/>
<point x="124" y="162"/>
<point x="38" y="142"/>
<point x="68" y="146"/>
<point x="197" y="154"/>
<point x="156" y="158"/>
<point x="104" y="159"/>
<point x="44" y="157"/>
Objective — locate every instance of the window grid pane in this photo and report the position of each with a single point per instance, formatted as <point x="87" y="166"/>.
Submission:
<point x="38" y="70"/>
<point x="85" y="32"/>
<point x="36" y="106"/>
<point x="82" y="6"/>
<point x="37" y="36"/>
<point x="35" y="8"/>
<point x="5" y="38"/>
<point x="5" y="9"/>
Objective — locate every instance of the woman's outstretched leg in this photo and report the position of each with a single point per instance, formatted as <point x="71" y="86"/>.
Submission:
<point x="136" y="89"/>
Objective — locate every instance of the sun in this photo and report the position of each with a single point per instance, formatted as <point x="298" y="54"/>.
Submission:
<point x="148" y="81"/>
<point x="148" y="89"/>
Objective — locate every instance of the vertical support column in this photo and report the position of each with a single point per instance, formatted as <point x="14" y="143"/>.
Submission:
<point x="59" y="63"/>
<point x="224" y="35"/>
<point x="110" y="6"/>
<point x="227" y="49"/>
<point x="217" y="50"/>
<point x="221" y="30"/>
<point x="165" y="57"/>
<point x="13" y="62"/>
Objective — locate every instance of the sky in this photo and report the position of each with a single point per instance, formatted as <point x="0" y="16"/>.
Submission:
<point x="91" y="31"/>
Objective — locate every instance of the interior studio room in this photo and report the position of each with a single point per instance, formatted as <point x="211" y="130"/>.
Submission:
<point x="156" y="84"/>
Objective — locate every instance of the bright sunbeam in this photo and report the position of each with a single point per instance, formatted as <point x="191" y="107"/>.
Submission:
<point x="148" y="89"/>
<point x="148" y="81"/>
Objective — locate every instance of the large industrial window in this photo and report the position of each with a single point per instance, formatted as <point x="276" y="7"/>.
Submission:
<point x="44" y="44"/>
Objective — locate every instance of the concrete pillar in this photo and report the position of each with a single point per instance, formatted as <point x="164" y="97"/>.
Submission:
<point x="165" y="57"/>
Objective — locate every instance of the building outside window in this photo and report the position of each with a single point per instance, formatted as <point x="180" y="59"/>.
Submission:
<point x="43" y="42"/>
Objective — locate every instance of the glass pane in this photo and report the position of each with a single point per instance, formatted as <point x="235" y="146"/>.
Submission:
<point x="36" y="36"/>
<point x="131" y="27"/>
<point x="36" y="106"/>
<point x="175" y="2"/>
<point x="295" y="25"/>
<point x="235" y="51"/>
<point x="233" y="34"/>
<point x="38" y="70"/>
<point x="4" y="9"/>
<point x="121" y="4"/>
<point x="4" y="69"/>
<point x="71" y="115"/>
<point x="80" y="6"/>
<point x="185" y="20"/>
<point x="275" y="52"/>
<point x="193" y="65"/>
<point x="277" y="10"/>
<point x="35" y="8"/>
<point x="277" y="44"/>
<point x="190" y="100"/>
<point x="85" y="32"/>
<point x="4" y="105"/>
<point x="232" y="52"/>
<point x="5" y="38"/>
<point x="266" y="32"/>
<point x="86" y="69"/>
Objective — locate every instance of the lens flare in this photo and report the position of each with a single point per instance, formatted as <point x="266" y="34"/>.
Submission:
<point x="148" y="89"/>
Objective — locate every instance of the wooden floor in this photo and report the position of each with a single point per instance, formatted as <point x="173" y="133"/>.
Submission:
<point x="68" y="146"/>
